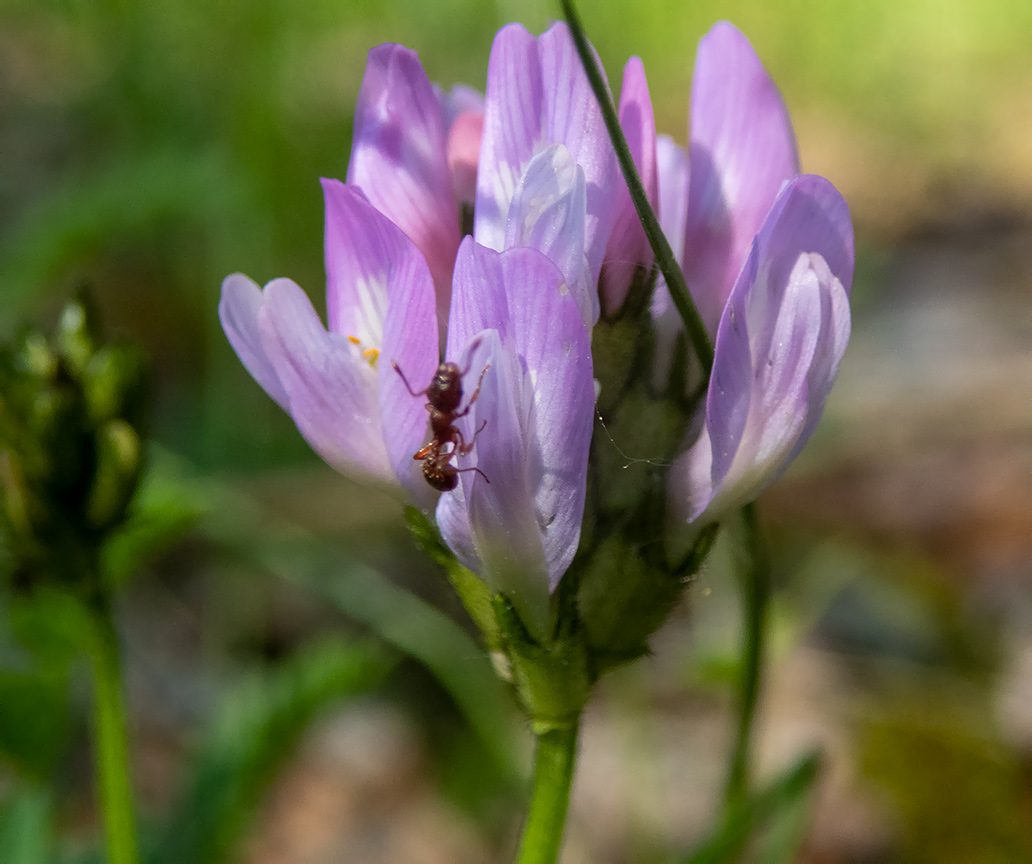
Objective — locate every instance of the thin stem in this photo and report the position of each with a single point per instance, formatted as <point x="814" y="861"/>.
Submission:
<point x="665" y="259"/>
<point x="110" y="742"/>
<point x="553" y="773"/>
<point x="756" y="592"/>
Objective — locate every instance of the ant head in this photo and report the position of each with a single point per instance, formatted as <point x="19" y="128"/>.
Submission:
<point x="445" y="390"/>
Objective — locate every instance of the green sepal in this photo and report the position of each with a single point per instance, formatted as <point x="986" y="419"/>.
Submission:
<point x="552" y="681"/>
<point x="614" y="346"/>
<point x="77" y="333"/>
<point x="117" y="472"/>
<point x="114" y="384"/>
<point x="623" y="599"/>
<point x="470" y="588"/>
<point x="632" y="450"/>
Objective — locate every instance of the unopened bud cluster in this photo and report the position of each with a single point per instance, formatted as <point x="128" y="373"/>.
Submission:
<point x="70" y="445"/>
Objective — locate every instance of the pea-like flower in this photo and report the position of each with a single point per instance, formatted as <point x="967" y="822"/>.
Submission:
<point x="514" y="316"/>
<point x="502" y="428"/>
<point x="414" y="154"/>
<point x="355" y="413"/>
<point x="547" y="176"/>
<point x="768" y="257"/>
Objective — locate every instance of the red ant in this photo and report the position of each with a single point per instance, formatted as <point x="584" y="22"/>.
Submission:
<point x="444" y="395"/>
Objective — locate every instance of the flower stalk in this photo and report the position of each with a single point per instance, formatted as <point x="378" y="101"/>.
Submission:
<point x="755" y="596"/>
<point x="554" y="760"/>
<point x="71" y="454"/>
<point x="665" y="259"/>
<point x="110" y="741"/>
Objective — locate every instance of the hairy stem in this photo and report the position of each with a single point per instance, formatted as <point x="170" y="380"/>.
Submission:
<point x="756" y="593"/>
<point x="110" y="742"/>
<point x="665" y="259"/>
<point x="553" y="774"/>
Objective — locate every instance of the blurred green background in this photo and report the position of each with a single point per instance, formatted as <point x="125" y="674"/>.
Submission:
<point x="149" y="149"/>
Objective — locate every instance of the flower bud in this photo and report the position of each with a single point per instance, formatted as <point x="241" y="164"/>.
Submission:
<point x="115" y="475"/>
<point x="70" y="447"/>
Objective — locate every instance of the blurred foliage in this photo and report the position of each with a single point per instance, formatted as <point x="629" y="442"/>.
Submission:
<point x="953" y="790"/>
<point x="763" y="816"/>
<point x="251" y="737"/>
<point x="25" y="827"/>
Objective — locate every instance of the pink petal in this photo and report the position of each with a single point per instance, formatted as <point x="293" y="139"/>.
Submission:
<point x="538" y="95"/>
<point x="742" y="149"/>
<point x="238" y="311"/>
<point x="399" y="158"/>
<point x="464" y="154"/>
<point x="331" y="390"/>
<point x="628" y="250"/>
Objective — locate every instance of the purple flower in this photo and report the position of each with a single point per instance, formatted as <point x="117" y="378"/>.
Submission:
<point x="768" y="256"/>
<point x="779" y="342"/>
<point x="354" y="412"/>
<point x="516" y="519"/>
<point x="414" y="155"/>
<point x="519" y="298"/>
<point x="547" y="173"/>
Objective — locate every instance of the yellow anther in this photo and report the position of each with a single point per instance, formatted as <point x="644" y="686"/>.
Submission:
<point x="370" y="355"/>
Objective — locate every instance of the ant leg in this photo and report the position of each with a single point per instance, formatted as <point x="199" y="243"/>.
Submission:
<point x="474" y="468"/>
<point x="465" y="448"/>
<point x="427" y="451"/>
<point x="473" y="398"/>
<point x="404" y="380"/>
<point x="460" y="446"/>
<point x="473" y="347"/>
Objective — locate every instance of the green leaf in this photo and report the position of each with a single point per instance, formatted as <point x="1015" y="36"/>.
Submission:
<point x="34" y="720"/>
<point x="763" y="810"/>
<point x="26" y="828"/>
<point x="251" y="737"/>
<point x="406" y="622"/>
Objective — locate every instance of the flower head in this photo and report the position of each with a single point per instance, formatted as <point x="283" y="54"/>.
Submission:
<point x="503" y="434"/>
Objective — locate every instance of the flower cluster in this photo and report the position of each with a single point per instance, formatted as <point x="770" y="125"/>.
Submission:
<point x="71" y="414"/>
<point x="498" y="228"/>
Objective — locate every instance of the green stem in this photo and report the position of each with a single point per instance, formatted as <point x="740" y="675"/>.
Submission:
<point x="553" y="774"/>
<point x="109" y="737"/>
<point x="756" y="593"/>
<point x="665" y="259"/>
